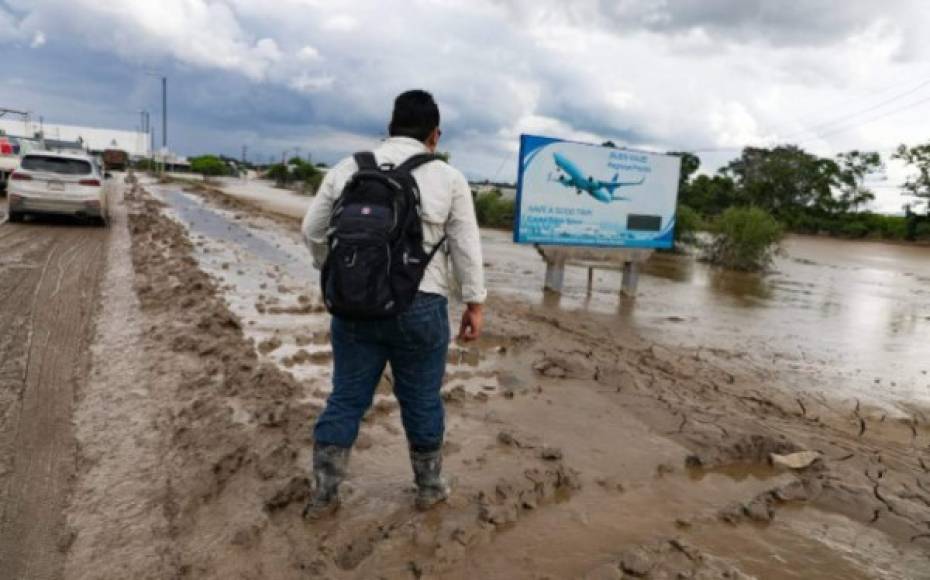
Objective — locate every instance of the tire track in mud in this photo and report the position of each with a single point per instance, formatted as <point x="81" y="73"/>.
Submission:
<point x="50" y="279"/>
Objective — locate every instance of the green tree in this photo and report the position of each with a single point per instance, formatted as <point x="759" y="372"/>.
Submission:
<point x="690" y="163"/>
<point x="855" y="166"/>
<point x="209" y="166"/>
<point x="918" y="185"/>
<point x="785" y="181"/>
<point x="709" y="195"/>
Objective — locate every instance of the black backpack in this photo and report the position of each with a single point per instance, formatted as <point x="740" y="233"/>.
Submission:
<point x="376" y="258"/>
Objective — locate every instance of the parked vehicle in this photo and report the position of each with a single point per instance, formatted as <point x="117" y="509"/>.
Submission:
<point x="58" y="183"/>
<point x="10" y="152"/>
<point x="115" y="159"/>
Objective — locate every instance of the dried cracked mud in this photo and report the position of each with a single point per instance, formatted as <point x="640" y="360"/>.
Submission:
<point x="578" y="450"/>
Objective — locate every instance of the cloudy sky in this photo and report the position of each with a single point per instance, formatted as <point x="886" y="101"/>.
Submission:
<point x="706" y="75"/>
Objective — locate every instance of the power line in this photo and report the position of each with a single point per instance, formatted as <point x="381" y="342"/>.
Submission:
<point x="848" y="117"/>
<point x="839" y="121"/>
<point x="867" y="121"/>
<point x="807" y="118"/>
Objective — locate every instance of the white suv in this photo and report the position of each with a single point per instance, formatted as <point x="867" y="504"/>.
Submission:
<point x="59" y="183"/>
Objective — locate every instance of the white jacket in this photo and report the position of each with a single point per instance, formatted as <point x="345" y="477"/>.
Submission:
<point x="447" y="208"/>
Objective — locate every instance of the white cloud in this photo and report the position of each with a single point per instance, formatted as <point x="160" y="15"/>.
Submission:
<point x="9" y="27"/>
<point x="341" y="23"/>
<point x="308" y="54"/>
<point x="38" y="39"/>
<point x="312" y="84"/>
<point x="734" y="125"/>
<point x="672" y="74"/>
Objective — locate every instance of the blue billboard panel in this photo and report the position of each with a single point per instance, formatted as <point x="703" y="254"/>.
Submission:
<point x="576" y="194"/>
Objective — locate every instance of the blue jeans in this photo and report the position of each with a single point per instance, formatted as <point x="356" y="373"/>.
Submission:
<point x="415" y="343"/>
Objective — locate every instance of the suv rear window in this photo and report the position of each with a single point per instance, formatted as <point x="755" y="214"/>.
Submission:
<point x="51" y="164"/>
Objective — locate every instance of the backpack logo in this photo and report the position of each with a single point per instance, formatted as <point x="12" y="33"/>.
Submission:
<point x="366" y="210"/>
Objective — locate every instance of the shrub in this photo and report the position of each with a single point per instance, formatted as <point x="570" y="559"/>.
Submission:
<point x="304" y="171"/>
<point x="923" y="230"/>
<point x="209" y="165"/>
<point x="745" y="239"/>
<point x="312" y="183"/>
<point x="494" y="211"/>
<point x="278" y="172"/>
<point x="687" y="223"/>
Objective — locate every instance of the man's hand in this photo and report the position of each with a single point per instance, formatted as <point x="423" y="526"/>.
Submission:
<point x="472" y="320"/>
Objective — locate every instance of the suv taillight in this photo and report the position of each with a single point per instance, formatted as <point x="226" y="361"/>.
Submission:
<point x="16" y="176"/>
<point x="90" y="182"/>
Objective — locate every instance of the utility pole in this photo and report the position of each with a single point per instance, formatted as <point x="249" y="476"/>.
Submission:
<point x="245" y="150"/>
<point x="164" y="113"/>
<point x="164" y="116"/>
<point x="144" y="129"/>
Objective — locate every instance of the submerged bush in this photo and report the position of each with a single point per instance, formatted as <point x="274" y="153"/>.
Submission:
<point x="745" y="238"/>
<point x="493" y="211"/>
<point x="687" y="223"/>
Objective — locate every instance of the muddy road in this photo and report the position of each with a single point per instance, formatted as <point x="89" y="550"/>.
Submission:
<point x="50" y="276"/>
<point x="580" y="449"/>
<point x="578" y="443"/>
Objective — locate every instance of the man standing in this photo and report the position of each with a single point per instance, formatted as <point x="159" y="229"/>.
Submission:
<point x="416" y="341"/>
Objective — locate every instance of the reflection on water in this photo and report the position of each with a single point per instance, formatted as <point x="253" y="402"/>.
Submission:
<point x="854" y="317"/>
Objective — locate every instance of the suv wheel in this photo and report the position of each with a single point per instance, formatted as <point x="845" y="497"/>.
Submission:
<point x="14" y="217"/>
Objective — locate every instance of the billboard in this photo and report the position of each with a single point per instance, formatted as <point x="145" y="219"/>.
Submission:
<point x="577" y="194"/>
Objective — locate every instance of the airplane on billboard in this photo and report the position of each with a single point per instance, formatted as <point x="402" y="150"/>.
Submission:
<point x="571" y="176"/>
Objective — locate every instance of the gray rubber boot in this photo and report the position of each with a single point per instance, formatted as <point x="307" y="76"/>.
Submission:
<point x="329" y="469"/>
<point x="431" y="487"/>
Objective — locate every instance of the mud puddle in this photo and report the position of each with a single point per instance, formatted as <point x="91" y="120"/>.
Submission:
<point x="268" y="280"/>
<point x="853" y="315"/>
<point x="808" y="543"/>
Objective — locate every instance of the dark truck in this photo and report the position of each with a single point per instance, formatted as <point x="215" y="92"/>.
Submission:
<point x="115" y="160"/>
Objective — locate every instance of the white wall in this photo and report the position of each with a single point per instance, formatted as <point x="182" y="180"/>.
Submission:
<point x="133" y="142"/>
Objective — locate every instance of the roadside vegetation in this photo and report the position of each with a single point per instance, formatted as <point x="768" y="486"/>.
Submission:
<point x="687" y="225"/>
<point x="493" y="210"/>
<point x="297" y="172"/>
<point x="210" y="166"/>
<point x="807" y="194"/>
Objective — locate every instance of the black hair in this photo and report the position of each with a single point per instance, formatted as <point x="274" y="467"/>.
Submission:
<point x="415" y="115"/>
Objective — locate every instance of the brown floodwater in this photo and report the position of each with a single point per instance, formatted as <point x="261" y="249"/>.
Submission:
<point x="851" y="319"/>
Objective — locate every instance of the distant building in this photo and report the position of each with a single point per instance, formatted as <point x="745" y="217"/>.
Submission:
<point x="135" y="143"/>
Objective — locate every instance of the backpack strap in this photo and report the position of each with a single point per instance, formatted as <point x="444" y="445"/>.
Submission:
<point x="436" y="248"/>
<point x="409" y="165"/>
<point x="417" y="160"/>
<point x="365" y="160"/>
